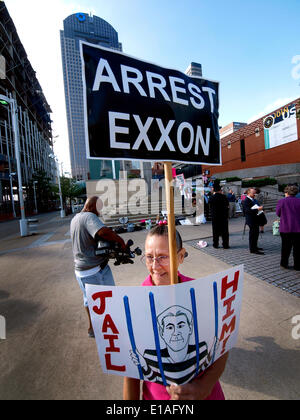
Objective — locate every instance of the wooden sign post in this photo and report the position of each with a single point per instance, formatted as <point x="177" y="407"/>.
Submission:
<point x="171" y="220"/>
<point x="119" y="120"/>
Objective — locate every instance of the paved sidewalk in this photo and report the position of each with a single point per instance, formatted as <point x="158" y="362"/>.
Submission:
<point x="50" y="229"/>
<point x="47" y="354"/>
<point x="11" y="228"/>
<point x="265" y="267"/>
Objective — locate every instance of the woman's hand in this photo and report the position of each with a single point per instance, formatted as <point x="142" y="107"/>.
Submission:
<point x="191" y="391"/>
<point x="138" y="359"/>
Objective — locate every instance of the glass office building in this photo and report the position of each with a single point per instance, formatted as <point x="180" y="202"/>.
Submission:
<point x="81" y="26"/>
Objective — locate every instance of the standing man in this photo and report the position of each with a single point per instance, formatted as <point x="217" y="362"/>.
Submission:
<point x="219" y="205"/>
<point x="260" y="201"/>
<point x="86" y="231"/>
<point x="252" y="220"/>
<point x="232" y="199"/>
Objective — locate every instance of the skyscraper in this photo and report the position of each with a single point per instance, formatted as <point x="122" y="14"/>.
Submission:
<point x="18" y="81"/>
<point x="81" y="26"/>
<point x="194" y="69"/>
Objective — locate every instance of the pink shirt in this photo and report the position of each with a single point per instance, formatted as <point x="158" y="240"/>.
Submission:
<point x="153" y="391"/>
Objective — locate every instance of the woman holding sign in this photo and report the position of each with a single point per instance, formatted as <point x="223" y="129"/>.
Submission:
<point x="205" y="385"/>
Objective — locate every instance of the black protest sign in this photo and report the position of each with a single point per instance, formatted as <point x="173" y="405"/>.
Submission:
<point x="138" y="110"/>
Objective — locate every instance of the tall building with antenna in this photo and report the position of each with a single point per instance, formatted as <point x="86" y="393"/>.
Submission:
<point x="82" y="26"/>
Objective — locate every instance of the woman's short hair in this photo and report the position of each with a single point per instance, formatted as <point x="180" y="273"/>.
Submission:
<point x="291" y="190"/>
<point x="162" y="230"/>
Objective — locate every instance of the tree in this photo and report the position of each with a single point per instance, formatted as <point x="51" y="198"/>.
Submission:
<point x="44" y="190"/>
<point x="70" y="189"/>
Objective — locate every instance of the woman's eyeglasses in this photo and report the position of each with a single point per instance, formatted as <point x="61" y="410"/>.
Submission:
<point x="163" y="260"/>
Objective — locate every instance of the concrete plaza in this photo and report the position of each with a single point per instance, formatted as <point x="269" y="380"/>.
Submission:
<point x="47" y="354"/>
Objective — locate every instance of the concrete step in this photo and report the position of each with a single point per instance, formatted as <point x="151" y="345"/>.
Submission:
<point x="152" y="209"/>
<point x="152" y="205"/>
<point x="271" y="203"/>
<point x="115" y="224"/>
<point x="113" y="221"/>
<point x="113" y="216"/>
<point x="132" y="218"/>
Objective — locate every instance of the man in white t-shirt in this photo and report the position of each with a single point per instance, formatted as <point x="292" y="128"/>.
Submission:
<point x="86" y="230"/>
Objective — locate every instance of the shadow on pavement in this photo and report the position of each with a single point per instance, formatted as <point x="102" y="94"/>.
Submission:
<point x="18" y="313"/>
<point x="256" y="369"/>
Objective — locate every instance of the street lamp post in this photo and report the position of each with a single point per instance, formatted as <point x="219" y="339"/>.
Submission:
<point x="62" y="210"/>
<point x="5" y="100"/>
<point x="12" y="193"/>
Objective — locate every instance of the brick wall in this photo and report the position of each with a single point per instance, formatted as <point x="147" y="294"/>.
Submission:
<point x="256" y="154"/>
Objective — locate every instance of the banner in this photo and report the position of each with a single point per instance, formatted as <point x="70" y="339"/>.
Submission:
<point x="280" y="127"/>
<point x="135" y="110"/>
<point x="166" y="334"/>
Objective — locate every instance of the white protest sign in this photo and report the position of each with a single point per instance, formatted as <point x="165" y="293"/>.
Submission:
<point x="166" y="334"/>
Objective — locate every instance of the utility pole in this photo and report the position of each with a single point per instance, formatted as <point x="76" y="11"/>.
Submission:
<point x="12" y="193"/>
<point x="34" y="193"/>
<point x="62" y="210"/>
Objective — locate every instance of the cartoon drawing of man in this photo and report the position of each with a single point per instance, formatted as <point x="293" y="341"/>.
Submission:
<point x="179" y="358"/>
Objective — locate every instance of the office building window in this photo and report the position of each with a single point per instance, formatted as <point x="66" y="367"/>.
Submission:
<point x="243" y="150"/>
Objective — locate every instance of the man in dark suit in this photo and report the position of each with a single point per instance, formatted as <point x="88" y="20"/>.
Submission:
<point x="252" y="220"/>
<point x="219" y="206"/>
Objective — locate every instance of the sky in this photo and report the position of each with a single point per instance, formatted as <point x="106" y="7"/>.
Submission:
<point x="250" y="47"/>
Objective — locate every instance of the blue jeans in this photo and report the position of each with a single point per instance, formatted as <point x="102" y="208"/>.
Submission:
<point x="103" y="277"/>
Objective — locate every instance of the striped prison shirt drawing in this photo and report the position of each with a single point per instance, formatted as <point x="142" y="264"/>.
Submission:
<point x="175" y="373"/>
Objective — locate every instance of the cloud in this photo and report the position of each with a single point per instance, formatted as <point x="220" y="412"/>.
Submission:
<point x="270" y="108"/>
